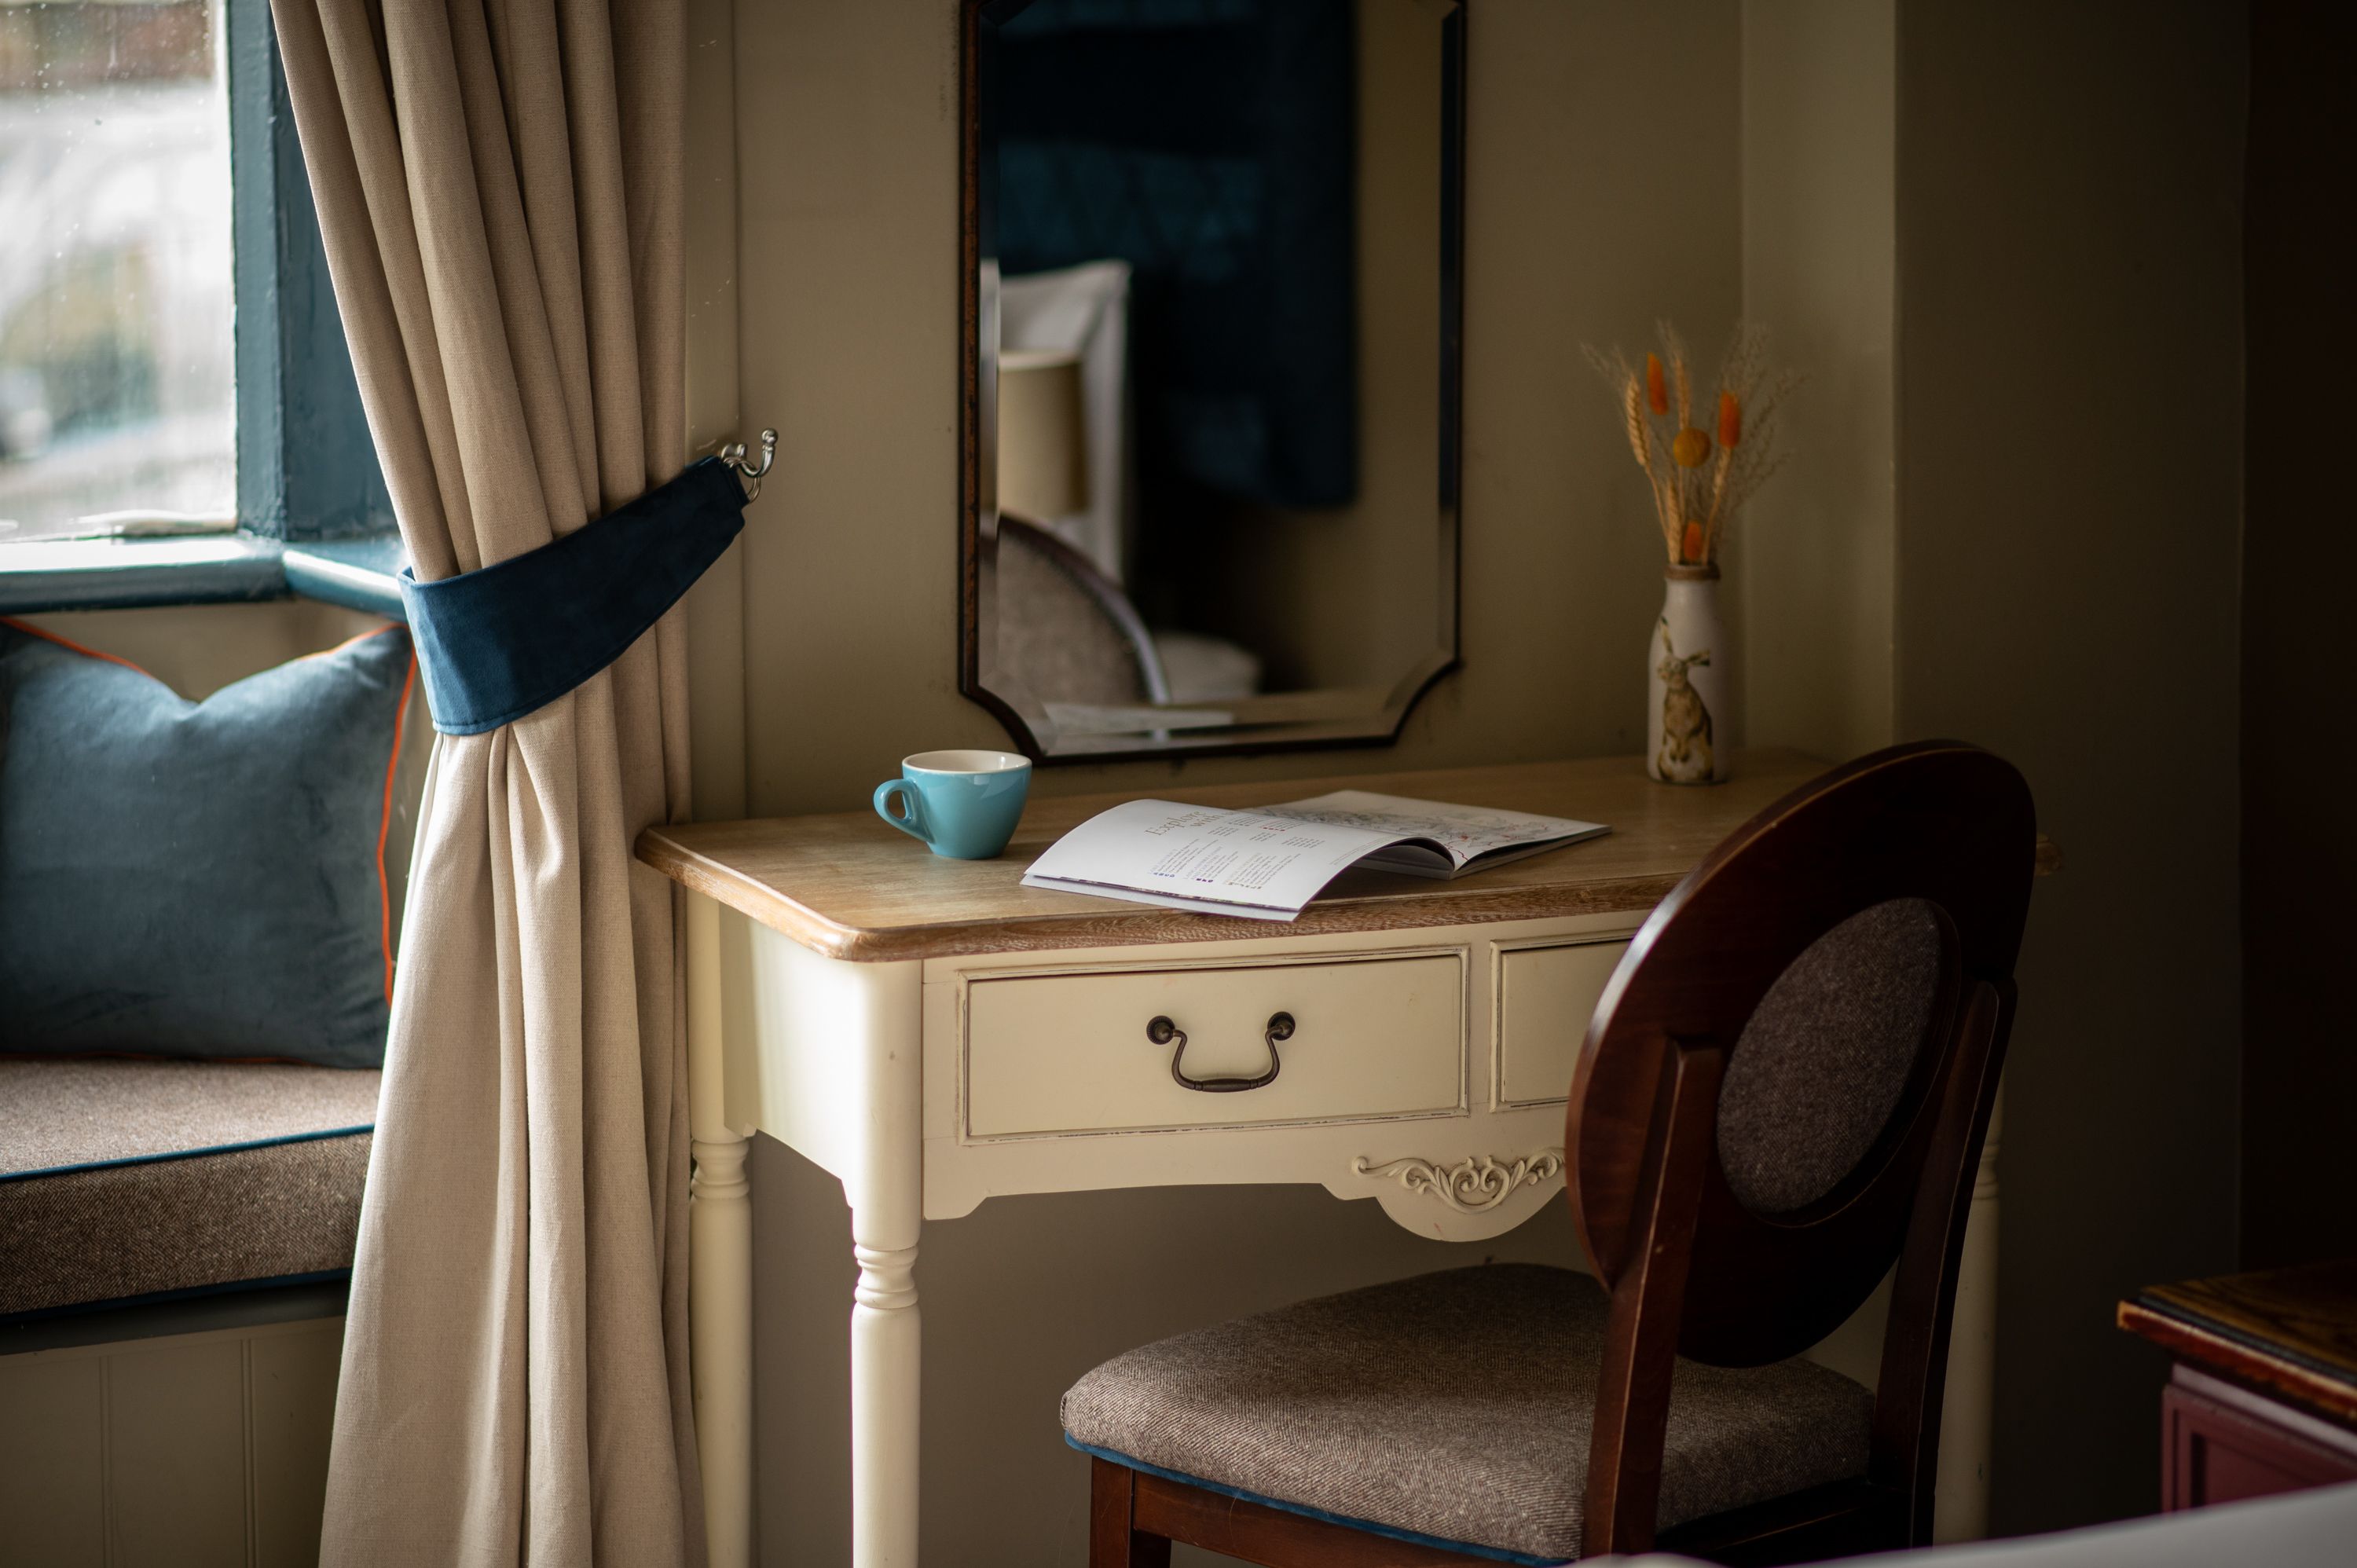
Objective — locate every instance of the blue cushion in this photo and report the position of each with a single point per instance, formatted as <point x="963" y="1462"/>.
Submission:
<point x="196" y="879"/>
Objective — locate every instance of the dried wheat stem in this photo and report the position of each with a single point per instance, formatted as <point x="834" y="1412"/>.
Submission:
<point x="1716" y="520"/>
<point x="1633" y="410"/>
<point x="1640" y="442"/>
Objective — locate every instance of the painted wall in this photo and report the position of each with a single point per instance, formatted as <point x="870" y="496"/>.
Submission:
<point x="1578" y="230"/>
<point x="2299" y="848"/>
<point x="2068" y="521"/>
<point x="1809" y="561"/>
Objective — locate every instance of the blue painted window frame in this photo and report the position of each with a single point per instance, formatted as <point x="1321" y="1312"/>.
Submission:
<point x="314" y="516"/>
<point x="306" y="467"/>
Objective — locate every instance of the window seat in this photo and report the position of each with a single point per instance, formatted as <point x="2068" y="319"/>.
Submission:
<point x="123" y="1180"/>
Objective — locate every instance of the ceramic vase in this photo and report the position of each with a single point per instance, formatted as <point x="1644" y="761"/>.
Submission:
<point x="1686" y="677"/>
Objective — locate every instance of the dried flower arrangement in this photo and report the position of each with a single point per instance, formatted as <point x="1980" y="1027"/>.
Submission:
<point x="1694" y="506"/>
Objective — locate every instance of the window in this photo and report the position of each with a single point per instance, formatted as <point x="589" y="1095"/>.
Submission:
<point x="116" y="350"/>
<point x="171" y="361"/>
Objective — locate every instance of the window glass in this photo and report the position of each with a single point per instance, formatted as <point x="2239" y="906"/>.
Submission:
<point x="117" y="410"/>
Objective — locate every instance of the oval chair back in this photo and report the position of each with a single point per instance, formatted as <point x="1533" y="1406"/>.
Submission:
<point x="1783" y="1093"/>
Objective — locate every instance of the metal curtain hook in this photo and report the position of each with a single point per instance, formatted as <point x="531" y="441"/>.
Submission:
<point x="733" y="453"/>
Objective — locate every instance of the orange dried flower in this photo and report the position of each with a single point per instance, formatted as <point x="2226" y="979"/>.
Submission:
<point x="1730" y="420"/>
<point x="1690" y="548"/>
<point x="1657" y="386"/>
<point x="1692" y="449"/>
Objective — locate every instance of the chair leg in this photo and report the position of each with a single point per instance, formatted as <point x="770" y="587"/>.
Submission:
<point x="1112" y="1541"/>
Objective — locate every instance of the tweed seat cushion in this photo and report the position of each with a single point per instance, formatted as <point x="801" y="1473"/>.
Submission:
<point x="125" y="1179"/>
<point x="1453" y="1408"/>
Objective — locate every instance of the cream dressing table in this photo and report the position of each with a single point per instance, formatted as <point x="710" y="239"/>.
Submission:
<point x="933" y="1034"/>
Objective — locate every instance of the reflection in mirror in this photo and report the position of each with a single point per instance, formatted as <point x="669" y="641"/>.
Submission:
<point x="1211" y="358"/>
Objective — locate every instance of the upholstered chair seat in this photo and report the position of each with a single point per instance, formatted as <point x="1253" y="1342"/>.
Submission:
<point x="1453" y="1409"/>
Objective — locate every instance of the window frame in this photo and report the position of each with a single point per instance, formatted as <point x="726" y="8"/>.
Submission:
<point x="314" y="516"/>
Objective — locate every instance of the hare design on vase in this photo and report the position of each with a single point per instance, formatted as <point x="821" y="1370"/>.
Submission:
<point x="1681" y="750"/>
<point x="1686" y="733"/>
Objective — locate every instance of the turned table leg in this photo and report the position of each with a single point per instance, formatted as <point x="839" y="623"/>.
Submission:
<point x="720" y="1267"/>
<point x="883" y="1177"/>
<point x="885" y="1361"/>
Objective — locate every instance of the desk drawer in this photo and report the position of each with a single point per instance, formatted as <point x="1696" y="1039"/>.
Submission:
<point x="1072" y="1053"/>
<point x="1546" y="996"/>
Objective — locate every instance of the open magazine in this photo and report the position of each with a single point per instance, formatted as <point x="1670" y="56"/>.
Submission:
<point x="1270" y="862"/>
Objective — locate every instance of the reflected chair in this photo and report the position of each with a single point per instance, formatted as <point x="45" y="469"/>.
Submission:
<point x="1066" y="631"/>
<point x="1781" y="1098"/>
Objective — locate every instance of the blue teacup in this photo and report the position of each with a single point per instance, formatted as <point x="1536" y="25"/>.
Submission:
<point x="964" y="804"/>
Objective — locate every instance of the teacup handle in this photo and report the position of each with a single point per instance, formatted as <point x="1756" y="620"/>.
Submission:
<point x="912" y="821"/>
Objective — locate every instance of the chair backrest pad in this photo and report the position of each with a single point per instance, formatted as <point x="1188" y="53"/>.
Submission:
<point x="1826" y="1056"/>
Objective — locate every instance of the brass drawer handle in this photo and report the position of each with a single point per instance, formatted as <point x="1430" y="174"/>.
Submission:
<point x="1162" y="1031"/>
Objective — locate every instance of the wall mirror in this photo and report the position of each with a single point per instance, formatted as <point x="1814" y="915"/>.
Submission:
<point x="1212" y="270"/>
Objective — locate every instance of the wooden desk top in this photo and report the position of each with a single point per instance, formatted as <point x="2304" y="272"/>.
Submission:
<point x="850" y="886"/>
<point x="2294" y="1330"/>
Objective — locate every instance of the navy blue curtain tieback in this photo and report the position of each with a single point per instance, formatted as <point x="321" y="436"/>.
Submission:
<point x="495" y="644"/>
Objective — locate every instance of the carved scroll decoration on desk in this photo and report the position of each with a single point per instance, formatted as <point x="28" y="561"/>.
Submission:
<point x="1473" y="1184"/>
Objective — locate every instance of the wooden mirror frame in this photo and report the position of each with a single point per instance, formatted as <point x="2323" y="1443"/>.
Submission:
<point x="1290" y="721"/>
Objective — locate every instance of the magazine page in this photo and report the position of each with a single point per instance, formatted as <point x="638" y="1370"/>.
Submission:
<point x="1257" y="863"/>
<point x="1465" y="834"/>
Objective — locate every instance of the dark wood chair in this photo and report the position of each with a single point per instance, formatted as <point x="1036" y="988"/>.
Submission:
<point x="1783" y="1095"/>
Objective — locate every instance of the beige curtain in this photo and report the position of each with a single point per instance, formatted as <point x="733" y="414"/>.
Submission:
<point x="500" y="186"/>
